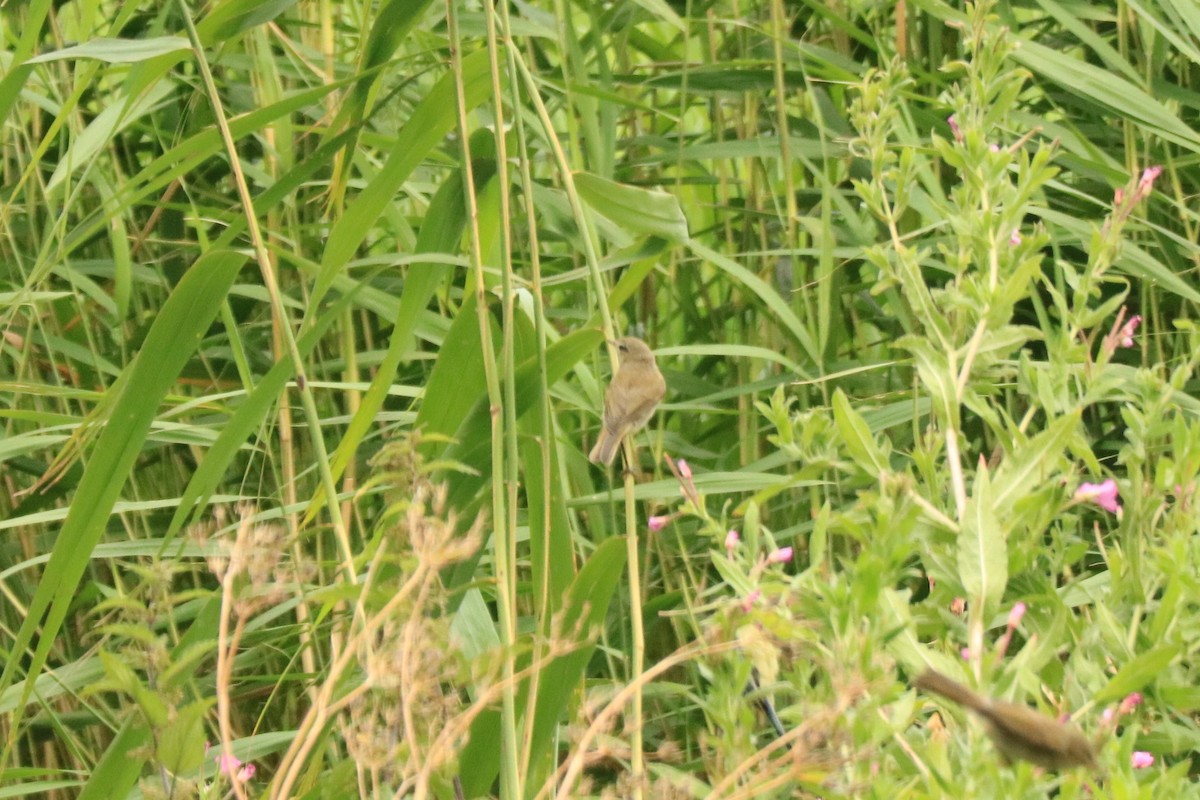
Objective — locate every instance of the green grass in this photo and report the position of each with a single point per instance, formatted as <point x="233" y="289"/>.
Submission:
<point x="303" y="315"/>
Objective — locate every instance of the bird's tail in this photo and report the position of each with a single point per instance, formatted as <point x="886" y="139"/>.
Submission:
<point x="606" y="448"/>
<point x="950" y="689"/>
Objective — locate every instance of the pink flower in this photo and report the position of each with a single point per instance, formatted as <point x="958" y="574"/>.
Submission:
<point x="1128" y="329"/>
<point x="1118" y="196"/>
<point x="750" y="599"/>
<point x="1015" y="239"/>
<point x="1141" y="759"/>
<point x="965" y="653"/>
<point x="781" y="556"/>
<point x="731" y="541"/>
<point x="958" y="606"/>
<point x="1107" y="715"/>
<point x="1014" y="616"/>
<point x="684" y="469"/>
<point x="1146" y="182"/>
<point x="1131" y="701"/>
<point x="995" y="148"/>
<point x="1102" y="494"/>
<point x="656" y="524"/>
<point x="958" y="135"/>
<point x="246" y="772"/>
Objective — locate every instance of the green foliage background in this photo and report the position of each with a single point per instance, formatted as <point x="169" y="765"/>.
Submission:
<point x="302" y="319"/>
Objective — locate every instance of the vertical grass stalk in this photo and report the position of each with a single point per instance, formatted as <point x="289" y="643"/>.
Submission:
<point x="502" y="535"/>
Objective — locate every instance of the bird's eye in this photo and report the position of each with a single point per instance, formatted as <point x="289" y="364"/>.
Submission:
<point x="623" y="348"/>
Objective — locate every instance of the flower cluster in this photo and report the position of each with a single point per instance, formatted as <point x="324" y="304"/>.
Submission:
<point x="1121" y="334"/>
<point x="235" y="768"/>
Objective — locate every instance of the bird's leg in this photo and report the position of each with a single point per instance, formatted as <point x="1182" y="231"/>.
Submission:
<point x="632" y="467"/>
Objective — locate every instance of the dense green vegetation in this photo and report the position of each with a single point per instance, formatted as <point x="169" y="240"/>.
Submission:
<point x="304" y="308"/>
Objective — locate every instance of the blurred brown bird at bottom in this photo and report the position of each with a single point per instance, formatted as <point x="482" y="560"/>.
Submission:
<point x="1017" y="731"/>
<point x="630" y="399"/>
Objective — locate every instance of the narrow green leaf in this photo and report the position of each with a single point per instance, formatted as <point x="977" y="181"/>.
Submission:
<point x="1141" y="671"/>
<point x="935" y="376"/>
<point x="117" y="51"/>
<point x="856" y="434"/>
<point x="734" y="351"/>
<point x="457" y="380"/>
<point x="473" y="628"/>
<point x="637" y="272"/>
<point x="982" y="547"/>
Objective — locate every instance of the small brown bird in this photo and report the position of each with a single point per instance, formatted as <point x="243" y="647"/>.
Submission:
<point x="1017" y="731"/>
<point x="631" y="398"/>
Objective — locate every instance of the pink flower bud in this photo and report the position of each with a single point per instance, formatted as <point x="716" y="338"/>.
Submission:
<point x="684" y="469"/>
<point x="731" y="541"/>
<point x="1014" y="616"/>
<point x="995" y="148"/>
<point x="1131" y="701"/>
<point x="958" y="135"/>
<point x="781" y="556"/>
<point x="750" y="600"/>
<point x="1141" y="759"/>
<point x="656" y="524"/>
<point x="1015" y="239"/>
